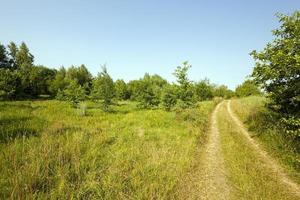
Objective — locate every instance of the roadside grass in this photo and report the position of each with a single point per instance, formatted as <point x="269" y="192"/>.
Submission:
<point x="249" y="176"/>
<point x="49" y="150"/>
<point x="190" y="183"/>
<point x="265" y="126"/>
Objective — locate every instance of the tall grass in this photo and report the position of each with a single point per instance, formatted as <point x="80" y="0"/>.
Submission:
<point x="248" y="174"/>
<point x="48" y="150"/>
<point x="266" y="127"/>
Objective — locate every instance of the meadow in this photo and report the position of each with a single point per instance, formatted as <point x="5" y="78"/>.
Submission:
<point x="51" y="150"/>
<point x="249" y="172"/>
<point x="266" y="127"/>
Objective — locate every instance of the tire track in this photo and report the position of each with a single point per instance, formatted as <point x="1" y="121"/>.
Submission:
<point x="207" y="179"/>
<point x="274" y="166"/>
<point x="214" y="184"/>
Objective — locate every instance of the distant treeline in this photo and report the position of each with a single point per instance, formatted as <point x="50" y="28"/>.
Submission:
<point x="20" y="78"/>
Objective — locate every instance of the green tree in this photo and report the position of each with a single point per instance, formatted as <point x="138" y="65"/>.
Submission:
<point x="74" y="93"/>
<point x="248" y="88"/>
<point x="58" y="83"/>
<point x="146" y="96"/>
<point x="133" y="88"/>
<point x="24" y="59"/>
<point x="13" y="51"/>
<point x="103" y="88"/>
<point x="9" y="84"/>
<point x="185" y="88"/>
<point x="148" y="90"/>
<point x="121" y="90"/>
<point x="4" y="60"/>
<point x="277" y="67"/>
<point x="24" y="63"/>
<point x="41" y="78"/>
<point x="81" y="75"/>
<point x="169" y="97"/>
<point x="203" y="90"/>
<point x="223" y="91"/>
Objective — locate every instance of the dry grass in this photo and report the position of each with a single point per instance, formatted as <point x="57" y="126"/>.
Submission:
<point x="248" y="173"/>
<point x="49" y="149"/>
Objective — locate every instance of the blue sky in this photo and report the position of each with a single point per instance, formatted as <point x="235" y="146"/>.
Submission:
<point x="137" y="36"/>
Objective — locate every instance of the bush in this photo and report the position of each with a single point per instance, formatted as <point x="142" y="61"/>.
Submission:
<point x="103" y="88"/>
<point x="292" y="126"/>
<point x="169" y="97"/>
<point x="277" y="67"/>
<point x="73" y="93"/>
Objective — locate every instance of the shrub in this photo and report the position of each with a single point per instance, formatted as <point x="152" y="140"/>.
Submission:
<point x="277" y="67"/>
<point x="169" y="97"/>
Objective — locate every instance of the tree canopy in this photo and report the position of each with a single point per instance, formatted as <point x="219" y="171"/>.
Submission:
<point x="277" y="70"/>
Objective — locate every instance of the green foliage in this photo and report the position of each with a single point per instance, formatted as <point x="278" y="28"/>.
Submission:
<point x="9" y="84"/>
<point x="204" y="90"/>
<point x="74" y="92"/>
<point x="292" y="126"/>
<point x="248" y="88"/>
<point x="13" y="51"/>
<point x="223" y="91"/>
<point x="169" y="97"/>
<point x="25" y="80"/>
<point x="121" y="90"/>
<point x="103" y="88"/>
<point x="148" y="90"/>
<point x="59" y="83"/>
<point x="185" y="88"/>
<point x="41" y="78"/>
<point x="80" y="74"/>
<point x="24" y="59"/>
<point x="133" y="89"/>
<point x="4" y="60"/>
<point x="277" y="67"/>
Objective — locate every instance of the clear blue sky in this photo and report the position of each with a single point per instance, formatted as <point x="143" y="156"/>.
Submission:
<point x="137" y="36"/>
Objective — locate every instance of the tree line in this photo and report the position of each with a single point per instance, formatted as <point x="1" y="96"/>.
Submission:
<point x="20" y="78"/>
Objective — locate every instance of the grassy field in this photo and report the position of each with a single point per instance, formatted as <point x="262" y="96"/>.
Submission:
<point x="266" y="128"/>
<point x="248" y="175"/>
<point x="49" y="149"/>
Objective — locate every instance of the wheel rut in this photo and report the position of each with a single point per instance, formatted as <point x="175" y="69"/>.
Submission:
<point x="214" y="180"/>
<point x="271" y="163"/>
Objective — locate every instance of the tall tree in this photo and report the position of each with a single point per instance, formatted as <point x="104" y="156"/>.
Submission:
<point x="203" y="90"/>
<point x="13" y="51"/>
<point x="4" y="61"/>
<point x="9" y="84"/>
<point x="121" y="90"/>
<point x="74" y="93"/>
<point x="169" y="97"/>
<point x="103" y="88"/>
<point x="58" y="83"/>
<point x="81" y="75"/>
<point x="41" y="78"/>
<point x="24" y="59"/>
<point x="185" y="91"/>
<point x="277" y="67"/>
